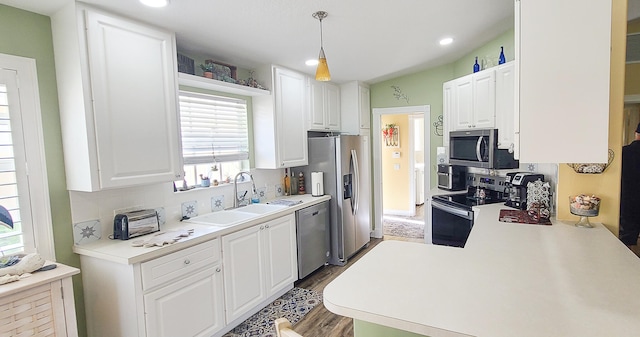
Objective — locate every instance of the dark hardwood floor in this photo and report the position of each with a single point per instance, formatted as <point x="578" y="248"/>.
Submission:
<point x="320" y="322"/>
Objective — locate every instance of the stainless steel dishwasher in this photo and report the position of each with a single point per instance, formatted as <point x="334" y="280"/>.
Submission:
<point x="312" y="232"/>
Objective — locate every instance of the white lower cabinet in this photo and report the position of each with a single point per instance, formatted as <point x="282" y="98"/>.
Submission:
<point x="183" y="293"/>
<point x="202" y="290"/>
<point x="259" y="262"/>
<point x="192" y="306"/>
<point x="178" y="294"/>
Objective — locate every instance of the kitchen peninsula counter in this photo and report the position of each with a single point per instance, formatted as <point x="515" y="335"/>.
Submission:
<point x="510" y="280"/>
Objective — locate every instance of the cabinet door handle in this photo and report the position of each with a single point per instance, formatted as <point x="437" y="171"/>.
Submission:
<point x="186" y="261"/>
<point x="218" y="270"/>
<point x="261" y="227"/>
<point x="267" y="226"/>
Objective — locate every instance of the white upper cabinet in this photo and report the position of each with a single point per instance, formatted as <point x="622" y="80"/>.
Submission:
<point x="484" y="99"/>
<point x="279" y="123"/>
<point x="563" y="70"/>
<point x="117" y="91"/>
<point x="505" y="109"/>
<point x="447" y="112"/>
<point x="473" y="98"/>
<point x="463" y="103"/>
<point x="324" y="106"/>
<point x="355" y="108"/>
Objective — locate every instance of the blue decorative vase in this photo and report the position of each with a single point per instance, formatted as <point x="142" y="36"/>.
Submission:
<point x="476" y="66"/>
<point x="501" y="60"/>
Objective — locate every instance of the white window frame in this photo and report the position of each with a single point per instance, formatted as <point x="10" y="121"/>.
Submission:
<point x="193" y="165"/>
<point x="41" y="229"/>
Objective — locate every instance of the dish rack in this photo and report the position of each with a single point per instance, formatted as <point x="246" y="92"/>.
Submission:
<point x="592" y="168"/>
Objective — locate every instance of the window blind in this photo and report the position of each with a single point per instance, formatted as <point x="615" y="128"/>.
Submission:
<point x="214" y="128"/>
<point x="11" y="241"/>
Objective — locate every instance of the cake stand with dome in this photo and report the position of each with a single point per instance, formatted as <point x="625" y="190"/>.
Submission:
<point x="584" y="206"/>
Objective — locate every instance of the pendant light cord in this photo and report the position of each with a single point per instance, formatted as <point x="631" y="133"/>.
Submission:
<point x="321" y="45"/>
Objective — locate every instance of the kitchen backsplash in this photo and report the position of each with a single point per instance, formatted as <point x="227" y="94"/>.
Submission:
<point x="550" y="172"/>
<point x="101" y="206"/>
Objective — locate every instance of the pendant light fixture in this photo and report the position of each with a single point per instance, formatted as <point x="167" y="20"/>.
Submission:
<point x="322" y="72"/>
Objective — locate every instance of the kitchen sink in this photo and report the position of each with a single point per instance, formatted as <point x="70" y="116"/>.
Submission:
<point x="260" y="208"/>
<point x="235" y="216"/>
<point x="223" y="218"/>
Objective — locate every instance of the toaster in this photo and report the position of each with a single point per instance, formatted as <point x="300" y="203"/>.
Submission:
<point x="136" y="223"/>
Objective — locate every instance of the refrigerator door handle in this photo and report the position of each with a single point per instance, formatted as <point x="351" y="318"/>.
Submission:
<point x="356" y="182"/>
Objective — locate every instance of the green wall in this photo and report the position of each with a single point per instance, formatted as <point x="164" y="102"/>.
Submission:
<point x="31" y="37"/>
<point x="422" y="88"/>
<point x="425" y="87"/>
<point x="464" y="65"/>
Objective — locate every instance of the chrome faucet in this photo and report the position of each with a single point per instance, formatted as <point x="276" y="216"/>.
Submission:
<point x="236" y="198"/>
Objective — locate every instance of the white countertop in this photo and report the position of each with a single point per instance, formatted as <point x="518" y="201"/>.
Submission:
<point x="509" y="280"/>
<point x="122" y="252"/>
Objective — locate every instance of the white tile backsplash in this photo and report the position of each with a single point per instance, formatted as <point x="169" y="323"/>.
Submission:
<point x="86" y="232"/>
<point x="101" y="205"/>
<point x="217" y="203"/>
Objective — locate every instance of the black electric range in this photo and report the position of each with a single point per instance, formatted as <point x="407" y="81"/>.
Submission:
<point x="469" y="199"/>
<point x="452" y="214"/>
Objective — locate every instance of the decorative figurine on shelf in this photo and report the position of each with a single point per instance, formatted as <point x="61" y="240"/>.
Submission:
<point x="185" y="186"/>
<point x="476" y="66"/>
<point x="204" y="181"/>
<point x="207" y="68"/>
<point x="301" y="189"/>
<point x="502" y="59"/>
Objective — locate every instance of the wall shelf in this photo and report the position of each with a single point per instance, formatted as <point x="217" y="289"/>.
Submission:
<point x="211" y="84"/>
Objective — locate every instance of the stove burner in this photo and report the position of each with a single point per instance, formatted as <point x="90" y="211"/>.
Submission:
<point x="470" y="199"/>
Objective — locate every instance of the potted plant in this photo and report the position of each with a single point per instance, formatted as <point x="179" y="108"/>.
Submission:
<point x="205" y="181"/>
<point x="208" y="69"/>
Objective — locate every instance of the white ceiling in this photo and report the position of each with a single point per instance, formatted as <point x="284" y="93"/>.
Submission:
<point x="367" y="40"/>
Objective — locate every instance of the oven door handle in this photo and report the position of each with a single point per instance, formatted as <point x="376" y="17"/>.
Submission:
<point x="453" y="210"/>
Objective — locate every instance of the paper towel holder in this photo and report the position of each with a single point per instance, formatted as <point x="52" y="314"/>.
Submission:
<point x="317" y="184"/>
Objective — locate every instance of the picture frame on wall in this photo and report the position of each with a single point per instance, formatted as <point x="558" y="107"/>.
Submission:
<point x="391" y="135"/>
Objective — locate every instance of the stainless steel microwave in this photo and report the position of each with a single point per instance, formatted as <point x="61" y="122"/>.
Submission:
<point x="479" y="148"/>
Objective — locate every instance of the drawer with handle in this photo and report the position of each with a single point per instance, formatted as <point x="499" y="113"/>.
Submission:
<point x="176" y="265"/>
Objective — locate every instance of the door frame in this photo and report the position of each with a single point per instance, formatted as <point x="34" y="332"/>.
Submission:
<point x="425" y="111"/>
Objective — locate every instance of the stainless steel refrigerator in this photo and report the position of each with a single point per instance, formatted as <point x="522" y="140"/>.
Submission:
<point x="345" y="162"/>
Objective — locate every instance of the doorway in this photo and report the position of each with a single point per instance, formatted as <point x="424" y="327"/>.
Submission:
<point x="399" y="164"/>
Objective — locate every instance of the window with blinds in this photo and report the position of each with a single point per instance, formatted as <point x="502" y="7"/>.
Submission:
<point x="11" y="240"/>
<point x="215" y="138"/>
<point x="214" y="128"/>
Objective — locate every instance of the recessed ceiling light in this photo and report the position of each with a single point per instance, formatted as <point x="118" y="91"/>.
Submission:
<point x="446" y="41"/>
<point x="313" y="62"/>
<point x="155" y="3"/>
